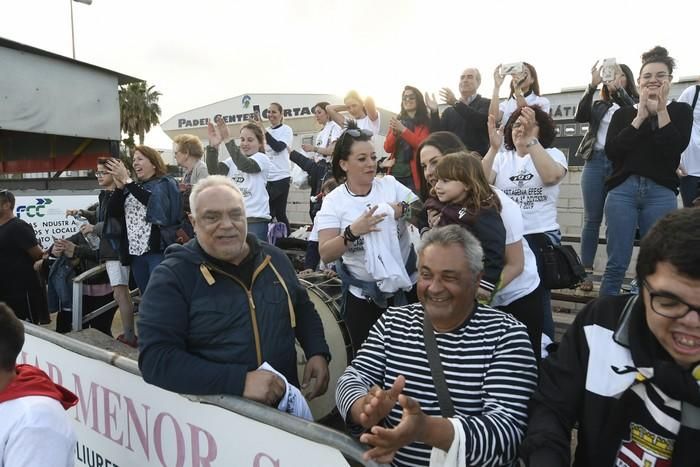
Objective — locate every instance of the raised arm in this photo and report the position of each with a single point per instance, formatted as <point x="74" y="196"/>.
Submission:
<point x="583" y="110"/>
<point x="371" y="109"/>
<point x="334" y="114"/>
<point x="495" y="139"/>
<point x="495" y="99"/>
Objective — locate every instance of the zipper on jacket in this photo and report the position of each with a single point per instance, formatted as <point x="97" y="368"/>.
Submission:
<point x="205" y="270"/>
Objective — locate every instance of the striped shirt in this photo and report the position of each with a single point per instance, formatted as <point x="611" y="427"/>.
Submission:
<point x="490" y="371"/>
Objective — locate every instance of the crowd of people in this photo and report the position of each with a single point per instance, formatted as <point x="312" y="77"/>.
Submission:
<point x="448" y="333"/>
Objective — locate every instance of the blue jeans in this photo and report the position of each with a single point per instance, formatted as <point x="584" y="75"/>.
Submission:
<point x="259" y="229"/>
<point x="595" y="171"/>
<point x="638" y="201"/>
<point x="142" y="267"/>
<point x="690" y="189"/>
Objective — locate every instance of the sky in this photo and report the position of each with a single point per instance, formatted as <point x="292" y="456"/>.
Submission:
<point x="203" y="51"/>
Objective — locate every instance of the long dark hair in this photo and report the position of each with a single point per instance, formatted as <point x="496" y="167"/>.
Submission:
<point x="422" y="117"/>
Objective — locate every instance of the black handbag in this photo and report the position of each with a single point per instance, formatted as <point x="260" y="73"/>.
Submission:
<point x="562" y="267"/>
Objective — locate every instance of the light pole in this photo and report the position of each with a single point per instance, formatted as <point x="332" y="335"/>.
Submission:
<point x="72" y="30"/>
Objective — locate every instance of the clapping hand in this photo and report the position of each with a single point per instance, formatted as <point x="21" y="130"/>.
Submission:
<point x="118" y="170"/>
<point x="431" y="102"/>
<point x="657" y="102"/>
<point x="447" y="96"/>
<point x="495" y="135"/>
<point x="529" y="123"/>
<point x="378" y="402"/>
<point x="386" y="441"/>
<point x="396" y="126"/>
<point x="213" y="136"/>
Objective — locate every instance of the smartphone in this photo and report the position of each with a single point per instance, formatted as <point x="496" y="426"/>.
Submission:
<point x="256" y="112"/>
<point x="512" y="68"/>
<point x="609" y="69"/>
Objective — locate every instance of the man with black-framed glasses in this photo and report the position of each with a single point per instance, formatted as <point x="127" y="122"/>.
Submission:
<point x="628" y="369"/>
<point x="19" y="248"/>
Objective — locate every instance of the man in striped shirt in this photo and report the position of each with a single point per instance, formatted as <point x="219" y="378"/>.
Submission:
<point x="389" y="392"/>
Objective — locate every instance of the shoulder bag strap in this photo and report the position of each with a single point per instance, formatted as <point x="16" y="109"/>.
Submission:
<point x="431" y="349"/>
<point x="695" y="99"/>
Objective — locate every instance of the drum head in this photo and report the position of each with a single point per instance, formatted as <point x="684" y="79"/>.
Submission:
<point x="324" y="294"/>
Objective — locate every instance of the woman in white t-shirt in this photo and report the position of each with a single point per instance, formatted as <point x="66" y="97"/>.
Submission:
<point x="349" y="214"/>
<point x="279" y="139"/>
<point x="528" y="170"/>
<point x="524" y="91"/>
<point x="364" y="113"/>
<point x="689" y="170"/>
<point x="519" y="292"/>
<point x="248" y="166"/>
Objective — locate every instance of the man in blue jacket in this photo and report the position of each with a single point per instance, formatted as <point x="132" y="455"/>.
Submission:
<point x="218" y="307"/>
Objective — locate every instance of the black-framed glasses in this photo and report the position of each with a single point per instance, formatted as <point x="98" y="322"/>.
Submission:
<point x="100" y="173"/>
<point x="668" y="305"/>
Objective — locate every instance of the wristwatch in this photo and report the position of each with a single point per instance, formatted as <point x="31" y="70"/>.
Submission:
<point x="532" y="142"/>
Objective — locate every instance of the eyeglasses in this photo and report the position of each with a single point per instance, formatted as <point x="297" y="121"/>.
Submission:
<point x="409" y="97"/>
<point x="668" y="305"/>
<point x="100" y="173"/>
<point x="660" y="76"/>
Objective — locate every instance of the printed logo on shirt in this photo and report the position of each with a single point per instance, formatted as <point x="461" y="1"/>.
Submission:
<point x="357" y="245"/>
<point x="526" y="198"/>
<point x="644" y="449"/>
<point x="521" y="177"/>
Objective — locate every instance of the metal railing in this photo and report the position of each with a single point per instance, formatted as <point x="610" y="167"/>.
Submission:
<point x="77" y="309"/>
<point x="314" y="432"/>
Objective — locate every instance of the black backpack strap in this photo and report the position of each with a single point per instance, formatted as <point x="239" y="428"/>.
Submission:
<point x="695" y="99"/>
<point x="431" y="349"/>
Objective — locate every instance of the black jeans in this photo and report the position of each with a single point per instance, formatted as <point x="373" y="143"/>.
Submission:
<point x="361" y="314"/>
<point x="528" y="310"/>
<point x="278" y="192"/>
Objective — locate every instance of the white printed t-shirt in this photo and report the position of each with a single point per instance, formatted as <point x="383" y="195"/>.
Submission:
<point x="340" y="209"/>
<point x="280" y="167"/>
<point x="511" y="105"/>
<point x="327" y="136"/>
<point x="528" y="280"/>
<point x="690" y="158"/>
<point x="252" y="186"/>
<point x="517" y="177"/>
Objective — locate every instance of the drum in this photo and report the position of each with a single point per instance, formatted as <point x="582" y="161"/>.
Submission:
<point x="325" y="294"/>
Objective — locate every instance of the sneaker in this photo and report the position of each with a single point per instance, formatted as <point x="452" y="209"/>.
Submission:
<point x="131" y="343"/>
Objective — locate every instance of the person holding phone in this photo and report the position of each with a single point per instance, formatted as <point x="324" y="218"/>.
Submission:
<point x="618" y="91"/>
<point x="524" y="91"/>
<point x="644" y="143"/>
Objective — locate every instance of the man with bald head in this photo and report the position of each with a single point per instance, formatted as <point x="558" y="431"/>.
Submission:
<point x="221" y="305"/>
<point x="465" y="117"/>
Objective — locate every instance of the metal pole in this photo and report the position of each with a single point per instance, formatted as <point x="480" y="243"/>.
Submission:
<point x="72" y="31"/>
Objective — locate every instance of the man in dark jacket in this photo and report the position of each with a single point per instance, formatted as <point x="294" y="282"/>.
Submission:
<point x="628" y="369"/>
<point x="465" y="117"/>
<point x="218" y="307"/>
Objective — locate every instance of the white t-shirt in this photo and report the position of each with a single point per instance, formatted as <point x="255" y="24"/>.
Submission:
<point x="519" y="179"/>
<point x="252" y="186"/>
<point x="602" y="133"/>
<point x="511" y="105"/>
<point x="35" y="430"/>
<point x="280" y="166"/>
<point x="340" y="209"/>
<point x="690" y="158"/>
<point x="529" y="278"/>
<point x="330" y="133"/>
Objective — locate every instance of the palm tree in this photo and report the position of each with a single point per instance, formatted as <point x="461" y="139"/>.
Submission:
<point x="139" y="111"/>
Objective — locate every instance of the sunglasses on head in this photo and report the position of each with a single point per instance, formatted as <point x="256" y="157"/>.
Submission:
<point x="357" y="132"/>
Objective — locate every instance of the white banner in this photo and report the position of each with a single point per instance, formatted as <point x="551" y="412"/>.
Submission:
<point x="121" y="420"/>
<point x="47" y="214"/>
